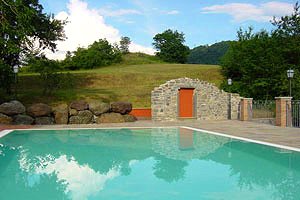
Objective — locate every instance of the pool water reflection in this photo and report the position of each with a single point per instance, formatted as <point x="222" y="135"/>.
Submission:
<point x="151" y="164"/>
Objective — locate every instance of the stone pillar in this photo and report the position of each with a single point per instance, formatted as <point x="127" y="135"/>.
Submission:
<point x="234" y="106"/>
<point x="283" y="111"/>
<point x="246" y="109"/>
<point x="229" y="106"/>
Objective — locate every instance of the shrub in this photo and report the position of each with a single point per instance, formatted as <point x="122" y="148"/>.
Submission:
<point x="100" y="53"/>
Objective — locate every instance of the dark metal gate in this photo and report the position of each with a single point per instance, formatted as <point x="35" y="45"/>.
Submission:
<point x="296" y="113"/>
<point x="264" y="109"/>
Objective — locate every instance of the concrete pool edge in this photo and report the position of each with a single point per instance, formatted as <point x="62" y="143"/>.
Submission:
<point x="6" y="132"/>
<point x="244" y="139"/>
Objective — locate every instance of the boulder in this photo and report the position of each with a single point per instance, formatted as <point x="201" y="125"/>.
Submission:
<point x="83" y="117"/>
<point x="22" y="120"/>
<point x="121" y="107"/>
<point x="44" y="120"/>
<point x="79" y="105"/>
<point x="129" y="118"/>
<point x="73" y="112"/>
<point x="74" y="120"/>
<point x="61" y="114"/>
<point x="4" y="119"/>
<point x="110" y="118"/>
<point x="98" y="107"/>
<point x="39" y="110"/>
<point x="12" y="108"/>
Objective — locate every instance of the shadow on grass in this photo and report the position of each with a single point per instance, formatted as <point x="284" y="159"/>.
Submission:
<point x="30" y="90"/>
<point x="66" y="96"/>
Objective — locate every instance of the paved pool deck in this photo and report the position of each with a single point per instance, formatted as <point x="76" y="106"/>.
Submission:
<point x="250" y="130"/>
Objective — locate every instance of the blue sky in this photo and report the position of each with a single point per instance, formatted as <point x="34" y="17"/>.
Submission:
<point x="202" y="21"/>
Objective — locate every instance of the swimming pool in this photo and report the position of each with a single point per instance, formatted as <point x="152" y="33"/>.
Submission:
<point x="152" y="163"/>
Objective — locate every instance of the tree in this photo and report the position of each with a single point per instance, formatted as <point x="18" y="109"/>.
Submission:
<point x="258" y="62"/>
<point x="288" y="25"/>
<point x="24" y="25"/>
<point x="40" y="64"/>
<point x="100" y="53"/>
<point x="253" y="63"/>
<point x="170" y="45"/>
<point x="124" y="44"/>
<point x="287" y="32"/>
<point x="68" y="63"/>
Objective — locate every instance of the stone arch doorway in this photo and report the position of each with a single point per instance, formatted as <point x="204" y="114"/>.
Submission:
<point x="186" y="103"/>
<point x="208" y="102"/>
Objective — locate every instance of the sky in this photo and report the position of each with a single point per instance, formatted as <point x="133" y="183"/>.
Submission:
<point x="202" y="21"/>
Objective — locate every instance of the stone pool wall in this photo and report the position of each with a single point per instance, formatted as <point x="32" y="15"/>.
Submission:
<point x="211" y="103"/>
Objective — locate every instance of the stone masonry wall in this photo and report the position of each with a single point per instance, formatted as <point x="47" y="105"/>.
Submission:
<point x="211" y="103"/>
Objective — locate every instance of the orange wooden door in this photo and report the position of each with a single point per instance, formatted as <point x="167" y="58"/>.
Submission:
<point x="186" y="102"/>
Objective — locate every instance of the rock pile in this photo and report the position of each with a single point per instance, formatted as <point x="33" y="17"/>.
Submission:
<point x="42" y="113"/>
<point x="78" y="112"/>
<point x="14" y="112"/>
<point x="81" y="112"/>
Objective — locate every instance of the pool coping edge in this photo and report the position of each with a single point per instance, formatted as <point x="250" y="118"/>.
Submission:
<point x="244" y="139"/>
<point x="5" y="132"/>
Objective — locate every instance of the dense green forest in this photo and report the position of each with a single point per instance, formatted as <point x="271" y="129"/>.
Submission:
<point x="258" y="62"/>
<point x="206" y="54"/>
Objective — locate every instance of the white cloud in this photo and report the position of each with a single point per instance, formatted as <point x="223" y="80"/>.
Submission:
<point x="139" y="48"/>
<point x="85" y="26"/>
<point x="117" y="13"/>
<point x="243" y="11"/>
<point x="277" y="8"/>
<point x="80" y="181"/>
<point x="172" y="12"/>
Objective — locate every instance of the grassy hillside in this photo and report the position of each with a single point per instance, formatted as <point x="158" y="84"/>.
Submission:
<point x="139" y="59"/>
<point x="132" y="83"/>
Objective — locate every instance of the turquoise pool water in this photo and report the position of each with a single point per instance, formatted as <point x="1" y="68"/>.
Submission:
<point x="142" y="164"/>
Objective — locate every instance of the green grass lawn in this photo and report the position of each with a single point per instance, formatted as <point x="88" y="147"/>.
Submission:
<point x="132" y="83"/>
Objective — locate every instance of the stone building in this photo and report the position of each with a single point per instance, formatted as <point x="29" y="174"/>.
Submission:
<point x="193" y="98"/>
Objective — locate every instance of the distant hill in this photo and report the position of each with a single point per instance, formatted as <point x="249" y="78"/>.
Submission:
<point x="205" y="54"/>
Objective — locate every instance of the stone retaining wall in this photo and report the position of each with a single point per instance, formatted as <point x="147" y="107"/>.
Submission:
<point x="211" y="103"/>
<point x="78" y="112"/>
